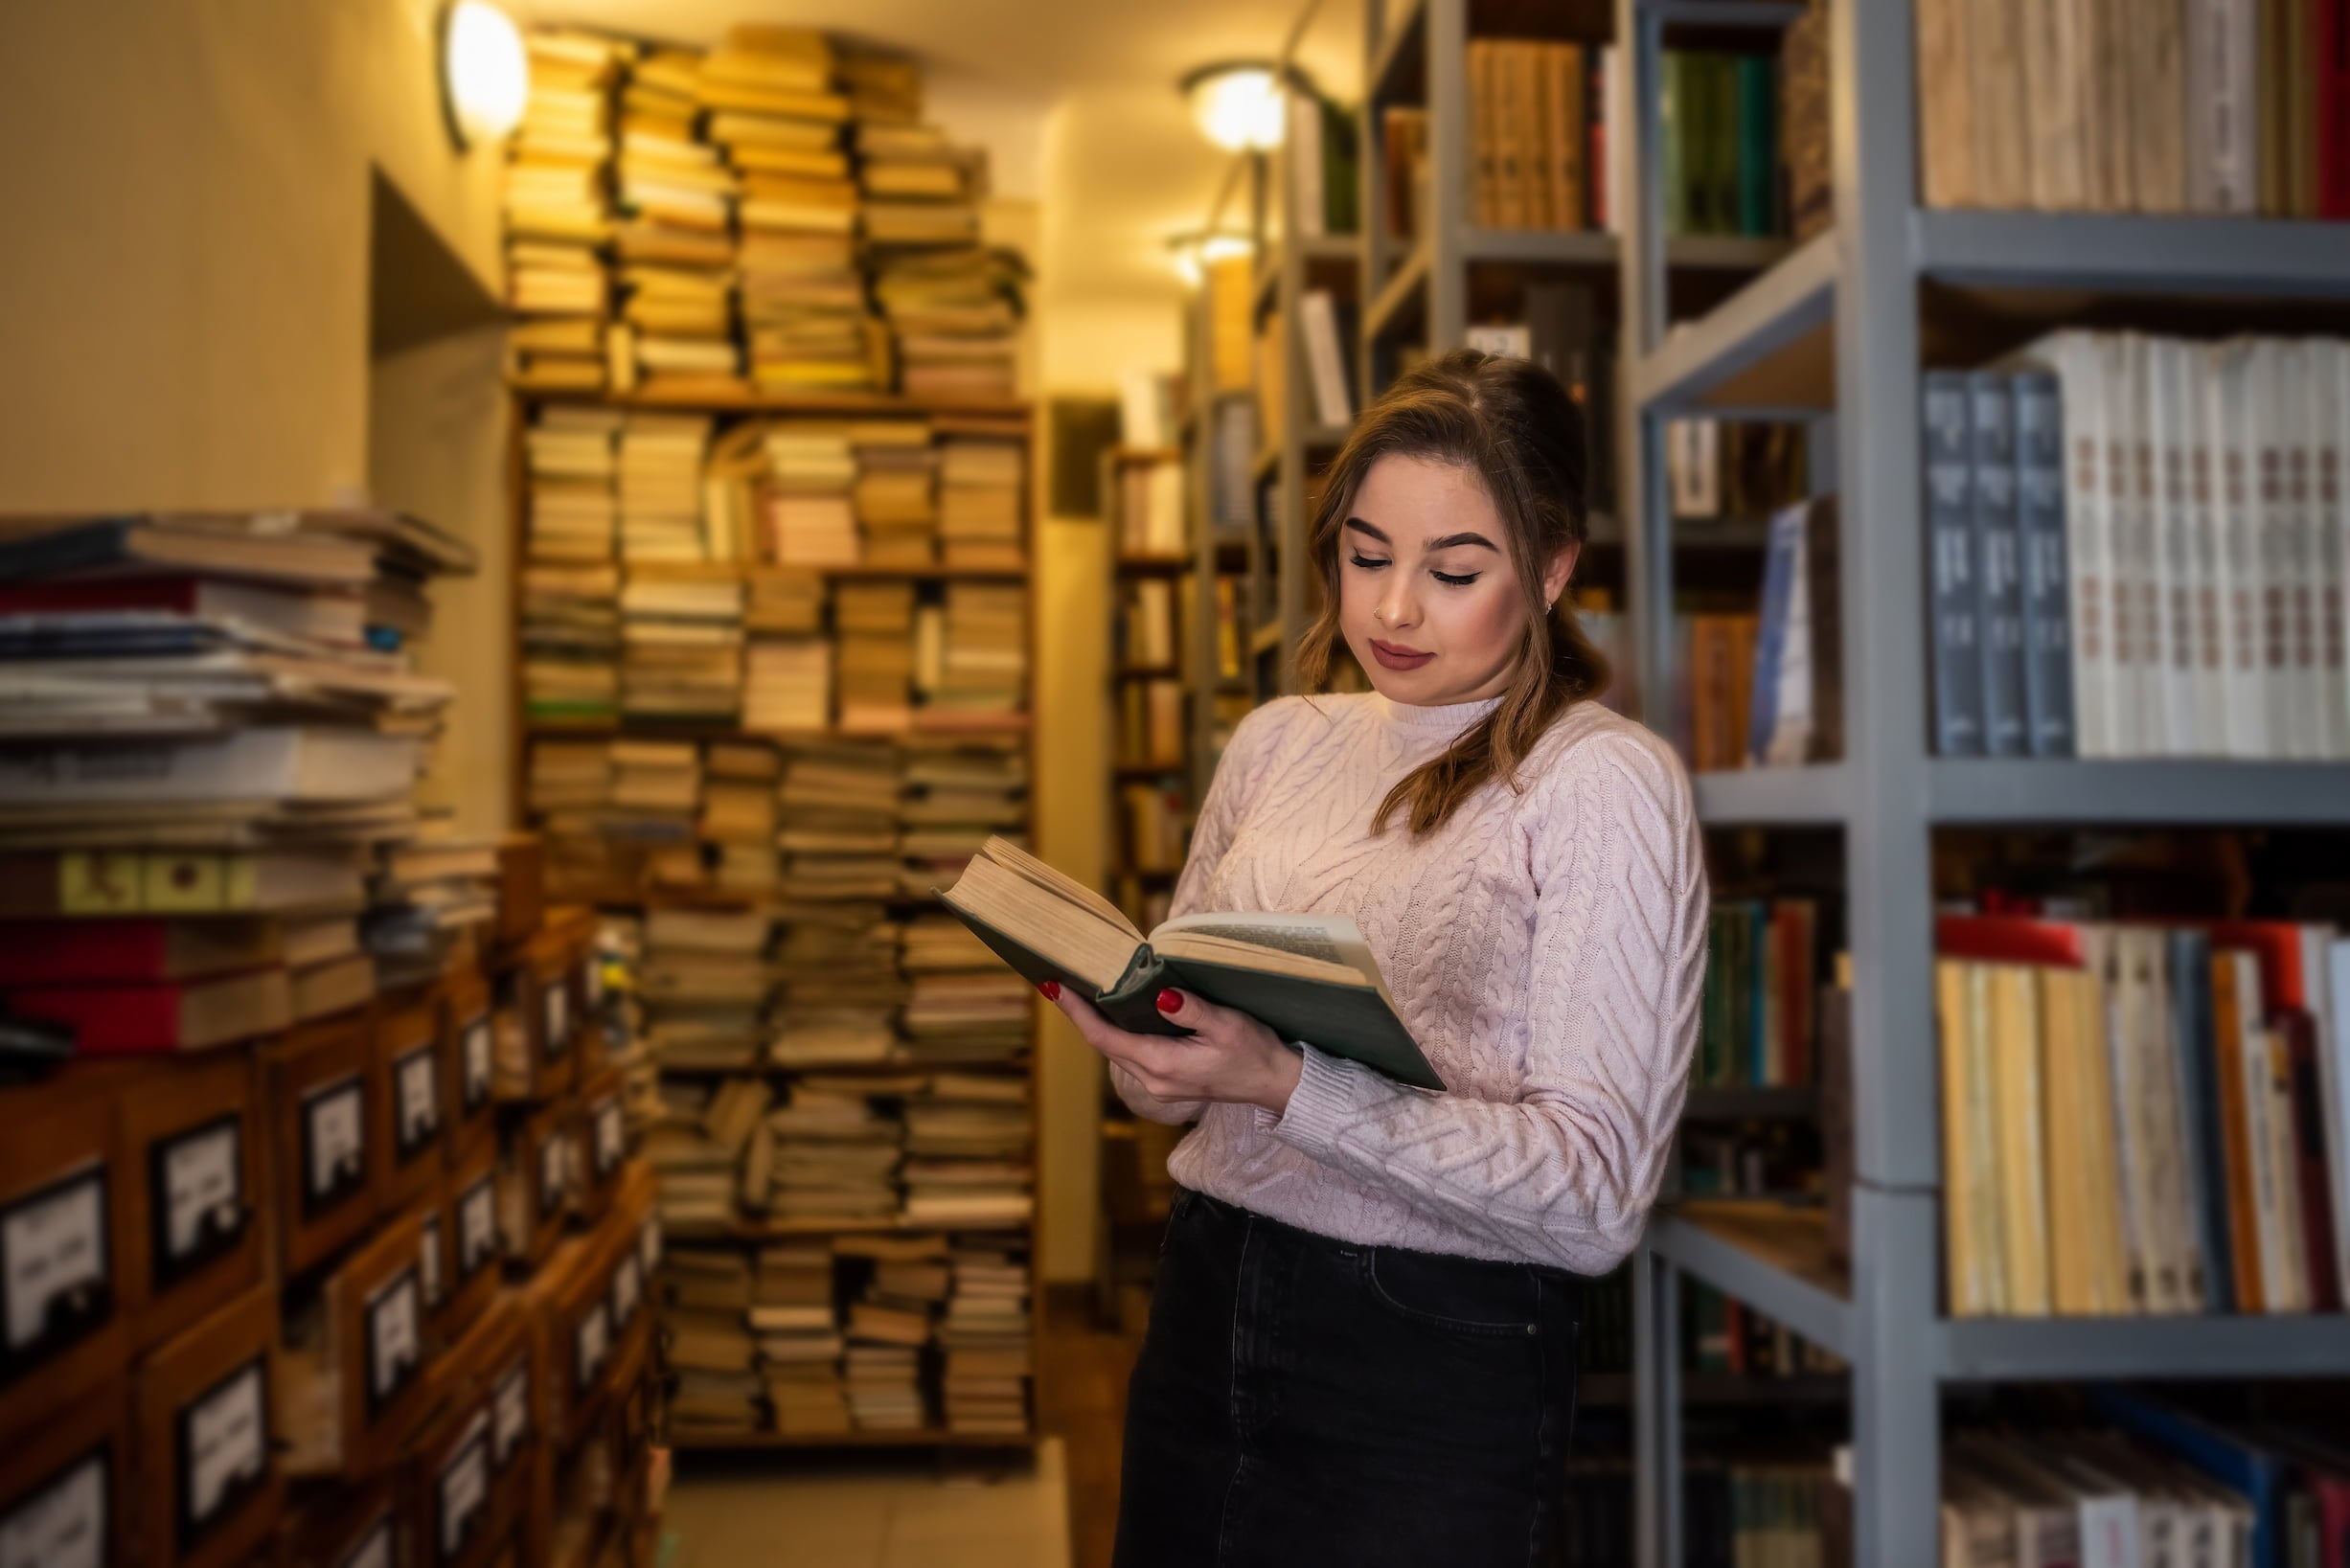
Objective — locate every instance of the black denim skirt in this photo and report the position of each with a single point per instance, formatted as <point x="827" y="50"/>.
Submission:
<point x="1300" y="1400"/>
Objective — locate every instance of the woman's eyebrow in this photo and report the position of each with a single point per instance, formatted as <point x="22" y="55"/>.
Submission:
<point x="1361" y="527"/>
<point x="1449" y="541"/>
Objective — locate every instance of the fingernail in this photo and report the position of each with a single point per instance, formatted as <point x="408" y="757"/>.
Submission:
<point x="1169" y="1001"/>
<point x="1051" y="990"/>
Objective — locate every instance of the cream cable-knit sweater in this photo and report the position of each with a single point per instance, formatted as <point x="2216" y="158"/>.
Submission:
<point x="1545" y="947"/>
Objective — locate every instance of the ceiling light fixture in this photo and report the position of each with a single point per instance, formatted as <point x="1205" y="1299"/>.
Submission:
<point x="1240" y="104"/>
<point x="484" y="72"/>
<point x="1194" y="251"/>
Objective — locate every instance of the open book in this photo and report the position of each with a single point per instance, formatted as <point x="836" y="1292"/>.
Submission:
<point x="1310" y="977"/>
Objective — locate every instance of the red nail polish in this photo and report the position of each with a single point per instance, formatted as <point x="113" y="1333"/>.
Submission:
<point x="1051" y="990"/>
<point x="1169" y="1001"/>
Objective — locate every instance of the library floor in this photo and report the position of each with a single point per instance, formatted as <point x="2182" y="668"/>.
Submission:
<point x="1059" y="1511"/>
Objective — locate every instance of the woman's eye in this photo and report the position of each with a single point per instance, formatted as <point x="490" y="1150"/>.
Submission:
<point x="1450" y="580"/>
<point x="1367" y="562"/>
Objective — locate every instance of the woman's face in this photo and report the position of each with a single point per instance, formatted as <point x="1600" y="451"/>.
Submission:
<point x="1426" y="595"/>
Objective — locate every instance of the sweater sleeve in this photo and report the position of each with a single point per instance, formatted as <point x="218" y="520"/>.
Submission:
<point x="1567" y="1173"/>
<point x="1236" y="774"/>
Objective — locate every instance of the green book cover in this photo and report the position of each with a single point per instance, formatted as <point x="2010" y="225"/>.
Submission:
<point x="1758" y="161"/>
<point x="1673" y="154"/>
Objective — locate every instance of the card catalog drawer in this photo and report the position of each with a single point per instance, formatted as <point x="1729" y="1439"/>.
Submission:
<point x="66" y="1294"/>
<point x="451" y="1489"/>
<point x="574" y="1289"/>
<point x="322" y="1089"/>
<point x="603" y="1141"/>
<point x="411" y="1105"/>
<point x="351" y="1527"/>
<point x="475" y="1253"/>
<point x="467" y="1026"/>
<point x="522" y="888"/>
<point x="64" y="1485"/>
<point x="206" y="1482"/>
<point x="192" y="1136"/>
<point x="534" y="1183"/>
<point x="535" y="1019"/>
<point x="574" y="926"/>
<point x="353" y="1383"/>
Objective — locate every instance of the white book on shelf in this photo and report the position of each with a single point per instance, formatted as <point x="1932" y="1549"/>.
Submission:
<point x="2173" y="731"/>
<point x="2278" y="541"/>
<point x="1332" y="403"/>
<point x="2228" y="416"/>
<point x="2129" y="470"/>
<point x="2329" y="458"/>
<point x="2206" y="627"/>
<point x="317" y="763"/>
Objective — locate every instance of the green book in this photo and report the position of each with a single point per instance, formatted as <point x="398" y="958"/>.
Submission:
<point x="1310" y="978"/>
<point x="1758" y="159"/>
<point x="1673" y="116"/>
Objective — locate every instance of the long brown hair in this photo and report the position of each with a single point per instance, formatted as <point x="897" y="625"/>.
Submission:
<point x="1510" y="424"/>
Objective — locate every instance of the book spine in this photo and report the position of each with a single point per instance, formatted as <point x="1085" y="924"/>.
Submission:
<point x="1953" y="576"/>
<point x="2330" y="51"/>
<point x="1998" y="560"/>
<point x="2329" y="458"/>
<point x="2191" y="1030"/>
<point x="2171" y="723"/>
<point x="1779" y="568"/>
<point x="1757" y="166"/>
<point x="2276" y="538"/>
<point x="2130" y="512"/>
<point x="2318" y="1253"/>
<point x="2040" y="517"/>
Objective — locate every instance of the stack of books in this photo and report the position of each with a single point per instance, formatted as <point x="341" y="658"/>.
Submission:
<point x="657" y="791"/>
<point x="839" y="821"/>
<point x="738" y="815"/>
<point x="834" y="1157"/>
<point x="916" y="190"/>
<point x="1759" y="1020"/>
<point x="874" y="626"/>
<point x="1151" y="517"/>
<point x="208" y="717"/>
<point x="981" y="520"/>
<point x="780" y="601"/>
<point x="955" y="315"/>
<point x="810" y="1035"/>
<point x="430" y="901"/>
<point x="956" y="794"/>
<point x="968" y="1140"/>
<point x="798" y="1328"/>
<point x="568" y="789"/>
<point x="570" y="615"/>
<point x="982" y="654"/>
<point x="810" y="516"/>
<point x="788" y="686"/>
<point x="963" y="1006"/>
<point x="704" y="980"/>
<point x="694" y="1175"/>
<point x="842" y="955"/>
<point x="1721" y="151"/>
<point x="889" y="1325"/>
<point x="668" y="246"/>
<point x="884" y="88"/>
<point x="681" y="645"/>
<point x="705" y="1295"/>
<point x="558" y="215"/>
<point x="896" y="494"/>
<point x="985" y="1338"/>
<point x="660" y="488"/>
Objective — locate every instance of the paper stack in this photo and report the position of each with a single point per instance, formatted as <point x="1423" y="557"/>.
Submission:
<point x="668" y="245"/>
<point x="882" y="88"/>
<point x="788" y="686"/>
<point x="875" y="622"/>
<point x="889" y="1323"/>
<point x="681" y="632"/>
<point x="964" y="1006"/>
<point x="568" y="790"/>
<point x="808" y="1035"/>
<point x="705" y="1297"/>
<point x="986" y="1342"/>
<point x="557" y="215"/>
<point x="955" y="316"/>
<point x="834" y="1157"/>
<point x="895" y="496"/>
<point x="694" y="1174"/>
<point x="980" y="519"/>
<point x="657" y="792"/>
<point x="917" y="191"/>
<point x="738" y="815"/>
<point x="811" y="519"/>
<point x="660" y="486"/>
<point x="967" y="1142"/>
<point x="570" y="617"/>
<point x="783" y="602"/>
<point x="840" y="955"/>
<point x="574" y="509"/>
<point x="798" y="1331"/>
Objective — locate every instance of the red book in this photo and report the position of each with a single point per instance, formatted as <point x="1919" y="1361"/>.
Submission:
<point x="79" y="952"/>
<point x="2300" y="1031"/>
<point x="332" y="616"/>
<point x="1793" y="927"/>
<point x="130" y="1020"/>
<point x="2009" y="939"/>
<point x="2330" y="37"/>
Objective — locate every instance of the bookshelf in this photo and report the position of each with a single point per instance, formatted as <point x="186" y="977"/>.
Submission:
<point x="1007" y="733"/>
<point x="1837" y="331"/>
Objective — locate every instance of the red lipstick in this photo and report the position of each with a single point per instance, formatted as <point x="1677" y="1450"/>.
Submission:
<point x="1392" y="657"/>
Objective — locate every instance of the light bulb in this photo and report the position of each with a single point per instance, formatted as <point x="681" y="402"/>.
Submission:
<point x="484" y="71"/>
<point x="1238" y="107"/>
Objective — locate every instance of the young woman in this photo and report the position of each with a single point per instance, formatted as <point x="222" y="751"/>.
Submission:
<point x="1361" y="1348"/>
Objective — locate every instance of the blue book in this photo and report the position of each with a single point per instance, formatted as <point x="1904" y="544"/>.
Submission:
<point x="1951" y="566"/>
<point x="2246" y="1468"/>
<point x="1998" y="557"/>
<point x="2197" y="1062"/>
<point x="2047" y="586"/>
<point x="1781" y="565"/>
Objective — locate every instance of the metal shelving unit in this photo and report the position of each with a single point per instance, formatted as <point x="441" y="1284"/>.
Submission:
<point x="1834" y="327"/>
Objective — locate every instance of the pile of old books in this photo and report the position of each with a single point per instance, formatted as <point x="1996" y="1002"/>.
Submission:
<point x="917" y="191"/>
<point x="957" y="794"/>
<point x="706" y="1296"/>
<point x="874" y="626"/>
<point x="703" y="982"/>
<point x="568" y="788"/>
<point x="659" y="476"/>
<point x="889" y="1324"/>
<point x="672" y="239"/>
<point x="839" y="826"/>
<point x="967" y="1142"/>
<point x="897" y="509"/>
<point x="656" y="790"/>
<point x="810" y="518"/>
<point x="797" y="1329"/>
<point x="558" y="215"/>
<point x="980" y="493"/>
<point x="209" y="715"/>
<point x="736" y="828"/>
<point x="837" y="955"/>
<point x="955" y="316"/>
<point x="985" y="1341"/>
<point x="964" y="1006"/>
<point x="787" y="685"/>
<point x="681" y="645"/>
<point x="980" y="666"/>
<point x="833" y="1156"/>
<point x="570" y="590"/>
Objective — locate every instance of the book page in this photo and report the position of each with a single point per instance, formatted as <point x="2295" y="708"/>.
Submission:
<point x="1307" y="941"/>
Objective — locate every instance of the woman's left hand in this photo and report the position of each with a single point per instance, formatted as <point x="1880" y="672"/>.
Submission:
<point x="1229" y="1056"/>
